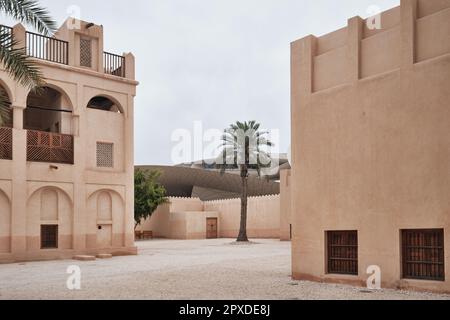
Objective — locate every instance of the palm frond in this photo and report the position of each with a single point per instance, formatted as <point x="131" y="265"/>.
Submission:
<point x="5" y="109"/>
<point x="18" y="64"/>
<point x="264" y="142"/>
<point x="31" y="13"/>
<point x="244" y="146"/>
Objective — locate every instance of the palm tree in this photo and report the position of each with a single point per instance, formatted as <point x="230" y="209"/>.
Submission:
<point x="244" y="147"/>
<point x="13" y="58"/>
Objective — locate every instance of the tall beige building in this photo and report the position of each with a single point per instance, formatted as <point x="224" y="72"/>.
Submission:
<point x="66" y="155"/>
<point x="371" y="150"/>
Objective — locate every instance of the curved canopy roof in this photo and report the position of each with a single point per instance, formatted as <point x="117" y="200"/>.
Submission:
<point x="182" y="181"/>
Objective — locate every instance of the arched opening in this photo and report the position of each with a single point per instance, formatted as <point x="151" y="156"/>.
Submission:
<point x="49" y="205"/>
<point x="49" y="220"/>
<point x="104" y="207"/>
<point x="48" y="119"/>
<point x="48" y="110"/>
<point x="6" y="123"/>
<point x="5" y="223"/>
<point x="106" y="220"/>
<point x="6" y="114"/>
<point x="104" y="104"/>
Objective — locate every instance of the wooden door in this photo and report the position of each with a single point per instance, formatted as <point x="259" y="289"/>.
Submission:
<point x="104" y="236"/>
<point x="211" y="228"/>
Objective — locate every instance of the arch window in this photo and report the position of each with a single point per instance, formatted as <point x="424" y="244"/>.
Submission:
<point x="48" y="110"/>
<point x="104" y="104"/>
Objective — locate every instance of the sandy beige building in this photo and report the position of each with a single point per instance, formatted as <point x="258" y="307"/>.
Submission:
<point x="66" y="156"/>
<point x="286" y="219"/>
<point x="191" y="218"/>
<point x="370" y="139"/>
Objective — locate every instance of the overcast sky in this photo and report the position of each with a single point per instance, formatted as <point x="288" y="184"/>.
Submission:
<point x="215" y="61"/>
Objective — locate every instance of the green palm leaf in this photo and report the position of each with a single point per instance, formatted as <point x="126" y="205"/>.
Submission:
<point x="14" y="60"/>
<point x="18" y="64"/>
<point x="5" y="108"/>
<point x="31" y="13"/>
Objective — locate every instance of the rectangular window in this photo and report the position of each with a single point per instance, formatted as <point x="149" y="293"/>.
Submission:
<point x="86" y="53"/>
<point x="342" y="251"/>
<point x="49" y="237"/>
<point x="423" y="254"/>
<point x="105" y="153"/>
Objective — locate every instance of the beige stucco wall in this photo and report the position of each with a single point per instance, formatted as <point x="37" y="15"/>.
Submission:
<point x="185" y="218"/>
<point x="286" y="219"/>
<point x="263" y="216"/>
<point x="186" y="204"/>
<point x="181" y="218"/>
<point x="81" y="197"/>
<point x="196" y="223"/>
<point x="370" y="145"/>
<point x="159" y="223"/>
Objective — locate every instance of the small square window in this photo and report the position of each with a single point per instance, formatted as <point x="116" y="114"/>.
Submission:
<point x="49" y="237"/>
<point x="105" y="153"/>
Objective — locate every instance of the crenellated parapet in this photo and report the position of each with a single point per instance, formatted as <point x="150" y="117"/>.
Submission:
<point x="412" y="33"/>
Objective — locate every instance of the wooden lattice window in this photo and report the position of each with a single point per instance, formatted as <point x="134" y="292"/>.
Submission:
<point x="105" y="152"/>
<point x="423" y="254"/>
<point x="49" y="237"/>
<point x="6" y="143"/>
<point x="86" y="53"/>
<point x="342" y="251"/>
<point x="49" y="147"/>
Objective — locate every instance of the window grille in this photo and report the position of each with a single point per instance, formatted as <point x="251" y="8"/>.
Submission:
<point x="6" y="143"/>
<point x="86" y="53"/>
<point x="105" y="155"/>
<point x="342" y="252"/>
<point x="49" y="237"/>
<point x="423" y="254"/>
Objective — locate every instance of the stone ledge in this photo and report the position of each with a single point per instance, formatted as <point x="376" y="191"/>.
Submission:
<point x="84" y="258"/>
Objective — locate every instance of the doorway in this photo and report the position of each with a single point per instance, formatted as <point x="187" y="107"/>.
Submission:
<point x="211" y="228"/>
<point x="104" y="236"/>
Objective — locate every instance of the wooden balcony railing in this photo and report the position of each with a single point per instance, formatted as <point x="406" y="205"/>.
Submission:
<point x="49" y="147"/>
<point x="114" y="64"/>
<point x="6" y="143"/>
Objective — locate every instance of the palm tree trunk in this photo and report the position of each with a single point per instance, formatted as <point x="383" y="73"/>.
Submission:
<point x="243" y="228"/>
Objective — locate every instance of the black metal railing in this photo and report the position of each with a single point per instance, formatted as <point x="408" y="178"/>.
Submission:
<point x="6" y="35"/>
<point x="55" y="50"/>
<point x="47" y="48"/>
<point x="114" y="64"/>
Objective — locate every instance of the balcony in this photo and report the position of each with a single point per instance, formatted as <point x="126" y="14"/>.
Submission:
<point x="46" y="48"/>
<point x="49" y="147"/>
<point x="62" y="52"/>
<point x="6" y="143"/>
<point x="114" y="64"/>
<point x="41" y="146"/>
<point x="48" y="121"/>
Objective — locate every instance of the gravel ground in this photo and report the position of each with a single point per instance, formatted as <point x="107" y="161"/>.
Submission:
<point x="169" y="269"/>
